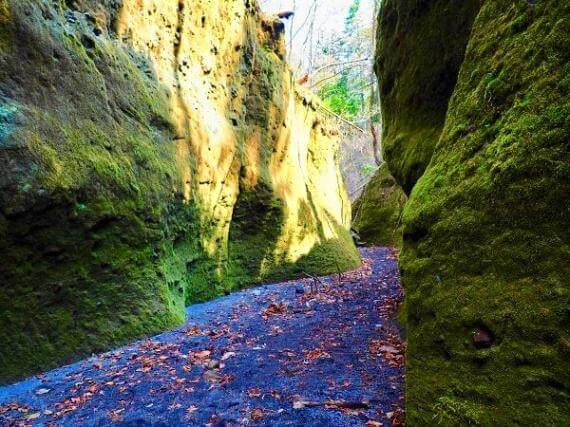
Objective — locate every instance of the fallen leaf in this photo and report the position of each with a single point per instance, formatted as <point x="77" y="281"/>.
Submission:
<point x="318" y="354"/>
<point x="276" y="329"/>
<point x="254" y="392"/>
<point x="338" y="404"/>
<point x="212" y="364"/>
<point x="192" y="409"/>
<point x="33" y="416"/>
<point x="388" y="349"/>
<point x="300" y="404"/>
<point x="257" y="414"/>
<point x="13" y="407"/>
<point x="275" y="309"/>
<point x="227" y="355"/>
<point x="116" y="416"/>
<point x="212" y="376"/>
<point x="204" y="354"/>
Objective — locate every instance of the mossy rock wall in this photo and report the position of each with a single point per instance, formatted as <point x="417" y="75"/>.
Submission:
<point x="378" y="212"/>
<point x="421" y="44"/>
<point x="486" y="238"/>
<point x="139" y="144"/>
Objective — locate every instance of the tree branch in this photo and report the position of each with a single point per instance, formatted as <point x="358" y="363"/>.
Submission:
<point x="324" y="67"/>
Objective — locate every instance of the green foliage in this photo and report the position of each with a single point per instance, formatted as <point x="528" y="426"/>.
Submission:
<point x="352" y="14"/>
<point x="342" y="99"/>
<point x="368" y="169"/>
<point x="348" y="94"/>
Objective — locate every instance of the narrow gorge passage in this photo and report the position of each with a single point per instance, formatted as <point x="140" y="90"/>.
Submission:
<point x="309" y="352"/>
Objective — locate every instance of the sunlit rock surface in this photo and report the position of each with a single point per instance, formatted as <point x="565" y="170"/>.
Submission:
<point x="486" y="241"/>
<point x="152" y="154"/>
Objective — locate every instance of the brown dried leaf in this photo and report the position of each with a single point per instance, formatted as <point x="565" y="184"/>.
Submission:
<point x="254" y="392"/>
<point x="257" y="414"/>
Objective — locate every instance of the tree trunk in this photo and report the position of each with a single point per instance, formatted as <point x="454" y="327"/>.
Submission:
<point x="374" y="94"/>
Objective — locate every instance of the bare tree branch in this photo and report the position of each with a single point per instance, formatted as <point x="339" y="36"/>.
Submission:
<point x="342" y="119"/>
<point x="324" y="67"/>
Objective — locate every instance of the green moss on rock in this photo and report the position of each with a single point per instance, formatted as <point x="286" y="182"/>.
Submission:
<point x="5" y="24"/>
<point x="329" y="257"/>
<point x="103" y="238"/>
<point x="486" y="238"/>
<point x="421" y="44"/>
<point x="378" y="212"/>
<point x="84" y="199"/>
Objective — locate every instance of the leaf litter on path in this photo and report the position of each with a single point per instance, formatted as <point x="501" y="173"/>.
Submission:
<point x="288" y="354"/>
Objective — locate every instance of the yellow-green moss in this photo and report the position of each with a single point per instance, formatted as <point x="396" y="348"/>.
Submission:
<point x="486" y="238"/>
<point x="378" y="212"/>
<point x="5" y="24"/>
<point x="101" y="238"/>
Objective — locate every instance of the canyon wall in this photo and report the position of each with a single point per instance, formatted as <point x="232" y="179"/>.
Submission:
<point x="418" y="58"/>
<point x="153" y="154"/>
<point x="480" y="138"/>
<point x="377" y="214"/>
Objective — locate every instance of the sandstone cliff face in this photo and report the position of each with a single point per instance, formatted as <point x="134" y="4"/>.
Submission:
<point x="486" y="241"/>
<point x="152" y="154"/>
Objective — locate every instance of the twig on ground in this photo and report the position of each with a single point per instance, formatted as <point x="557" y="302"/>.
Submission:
<point x="339" y="273"/>
<point x="316" y="281"/>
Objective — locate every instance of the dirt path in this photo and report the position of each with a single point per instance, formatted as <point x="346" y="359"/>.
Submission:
<point x="302" y="353"/>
